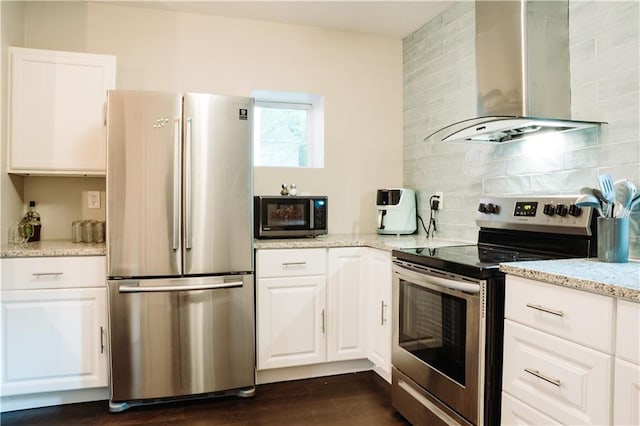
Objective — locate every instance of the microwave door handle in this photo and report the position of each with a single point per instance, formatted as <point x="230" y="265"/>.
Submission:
<point x="311" y="215"/>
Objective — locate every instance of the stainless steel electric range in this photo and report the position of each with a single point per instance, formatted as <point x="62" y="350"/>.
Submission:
<point x="448" y="306"/>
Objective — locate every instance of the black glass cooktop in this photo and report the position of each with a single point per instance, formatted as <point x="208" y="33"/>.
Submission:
<point x="480" y="261"/>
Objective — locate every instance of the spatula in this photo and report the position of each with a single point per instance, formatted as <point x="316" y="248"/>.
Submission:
<point x="608" y="191"/>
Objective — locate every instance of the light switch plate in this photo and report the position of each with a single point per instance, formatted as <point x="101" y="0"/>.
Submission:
<point x="93" y="199"/>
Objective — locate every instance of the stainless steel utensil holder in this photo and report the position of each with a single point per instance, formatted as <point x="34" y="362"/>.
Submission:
<point x="613" y="239"/>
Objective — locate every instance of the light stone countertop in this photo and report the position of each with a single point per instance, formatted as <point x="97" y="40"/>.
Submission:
<point x="53" y="248"/>
<point x="611" y="279"/>
<point x="382" y="242"/>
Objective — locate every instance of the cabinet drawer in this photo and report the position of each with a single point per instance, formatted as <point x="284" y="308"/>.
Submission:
<point x="575" y="315"/>
<point x="53" y="272"/>
<point x="516" y="412"/>
<point x="566" y="381"/>
<point x="291" y="262"/>
<point x="628" y="331"/>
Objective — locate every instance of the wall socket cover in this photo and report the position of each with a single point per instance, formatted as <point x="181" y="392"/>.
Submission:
<point x="93" y="199"/>
<point x="440" y="200"/>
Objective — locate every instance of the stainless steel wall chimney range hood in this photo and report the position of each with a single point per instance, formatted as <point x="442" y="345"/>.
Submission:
<point x="522" y="70"/>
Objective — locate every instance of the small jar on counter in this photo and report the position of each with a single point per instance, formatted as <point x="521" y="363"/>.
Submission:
<point x="98" y="231"/>
<point x="76" y="231"/>
<point x="87" y="231"/>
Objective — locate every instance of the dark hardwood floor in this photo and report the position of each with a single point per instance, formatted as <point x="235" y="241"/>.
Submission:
<point x="348" y="399"/>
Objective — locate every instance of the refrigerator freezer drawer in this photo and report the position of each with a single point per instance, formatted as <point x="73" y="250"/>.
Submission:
<point x="180" y="337"/>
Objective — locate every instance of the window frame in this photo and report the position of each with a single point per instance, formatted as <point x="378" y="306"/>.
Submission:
<point x="313" y="104"/>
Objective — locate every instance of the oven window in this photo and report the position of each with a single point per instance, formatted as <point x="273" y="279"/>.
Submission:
<point x="432" y="327"/>
<point x="292" y="214"/>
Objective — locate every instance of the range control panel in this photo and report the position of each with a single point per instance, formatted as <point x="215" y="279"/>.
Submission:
<point x="554" y="214"/>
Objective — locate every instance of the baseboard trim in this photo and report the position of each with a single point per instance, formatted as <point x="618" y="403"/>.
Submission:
<point x="314" y="370"/>
<point x="47" y="399"/>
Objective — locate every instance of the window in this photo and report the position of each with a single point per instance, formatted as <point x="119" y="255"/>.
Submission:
<point x="288" y="130"/>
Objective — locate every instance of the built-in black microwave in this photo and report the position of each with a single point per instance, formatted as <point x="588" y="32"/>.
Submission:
<point x="289" y="216"/>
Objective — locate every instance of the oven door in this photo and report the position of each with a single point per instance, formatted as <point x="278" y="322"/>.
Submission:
<point x="438" y="335"/>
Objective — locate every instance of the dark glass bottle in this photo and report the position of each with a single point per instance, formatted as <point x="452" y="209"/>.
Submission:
<point x="31" y="223"/>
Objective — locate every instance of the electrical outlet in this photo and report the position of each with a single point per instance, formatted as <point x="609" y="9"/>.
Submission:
<point x="93" y="199"/>
<point x="440" y="200"/>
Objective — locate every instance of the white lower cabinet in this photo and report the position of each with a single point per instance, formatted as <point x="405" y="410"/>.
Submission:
<point x="626" y="393"/>
<point x="53" y="325"/>
<point x="290" y="316"/>
<point x="53" y="340"/>
<point x="626" y="401"/>
<point x="291" y="310"/>
<point x="379" y="313"/>
<point x="570" y="356"/>
<point x="516" y="412"/>
<point x="566" y="381"/>
<point x="317" y="306"/>
<point x="346" y="303"/>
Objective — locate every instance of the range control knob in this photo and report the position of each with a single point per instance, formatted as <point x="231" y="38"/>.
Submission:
<point x="561" y="210"/>
<point x="549" y="209"/>
<point x="493" y="208"/>
<point x="482" y="208"/>
<point x="574" y="210"/>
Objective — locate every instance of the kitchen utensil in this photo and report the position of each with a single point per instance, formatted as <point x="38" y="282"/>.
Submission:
<point x="590" y="200"/>
<point x="625" y="191"/>
<point x="608" y="191"/>
<point x="635" y="201"/>
<point x="600" y="197"/>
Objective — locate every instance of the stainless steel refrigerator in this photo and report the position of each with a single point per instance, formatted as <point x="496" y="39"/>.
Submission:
<point x="179" y="246"/>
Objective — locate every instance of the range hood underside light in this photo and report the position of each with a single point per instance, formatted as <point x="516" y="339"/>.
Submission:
<point x="505" y="129"/>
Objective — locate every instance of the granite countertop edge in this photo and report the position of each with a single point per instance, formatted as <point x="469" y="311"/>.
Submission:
<point x="621" y="280"/>
<point x="52" y="248"/>
<point x="55" y="248"/>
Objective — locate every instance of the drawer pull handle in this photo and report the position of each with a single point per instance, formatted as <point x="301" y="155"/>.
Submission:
<point x="47" y="274"/>
<point x="547" y="310"/>
<point x="323" y="321"/>
<point x="101" y="340"/>
<point x="539" y="375"/>
<point x="383" y="306"/>
<point x="286" y="265"/>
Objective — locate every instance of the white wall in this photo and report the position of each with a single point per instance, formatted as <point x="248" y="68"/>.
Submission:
<point x="11" y="187"/>
<point x="439" y="89"/>
<point x="360" y="77"/>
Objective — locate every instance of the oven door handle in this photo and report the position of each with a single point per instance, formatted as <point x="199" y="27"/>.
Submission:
<point x="426" y="278"/>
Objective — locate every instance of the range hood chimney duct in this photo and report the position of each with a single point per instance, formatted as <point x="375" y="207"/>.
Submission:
<point x="522" y="71"/>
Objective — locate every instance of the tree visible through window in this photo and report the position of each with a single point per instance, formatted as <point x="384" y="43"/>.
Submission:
<point x="288" y="129"/>
<point x="282" y="134"/>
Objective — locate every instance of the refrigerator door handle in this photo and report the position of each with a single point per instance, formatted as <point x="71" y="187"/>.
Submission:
<point x="187" y="186"/>
<point x="177" y="149"/>
<point x="165" y="288"/>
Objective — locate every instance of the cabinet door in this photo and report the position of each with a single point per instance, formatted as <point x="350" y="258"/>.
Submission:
<point x="346" y="303"/>
<point x="53" y="340"/>
<point x="57" y="111"/>
<point x="290" y="319"/>
<point x="626" y="394"/>
<point x="563" y="380"/>
<point x="379" y="319"/>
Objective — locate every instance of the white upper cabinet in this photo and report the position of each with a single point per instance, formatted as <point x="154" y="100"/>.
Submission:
<point x="57" y="112"/>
